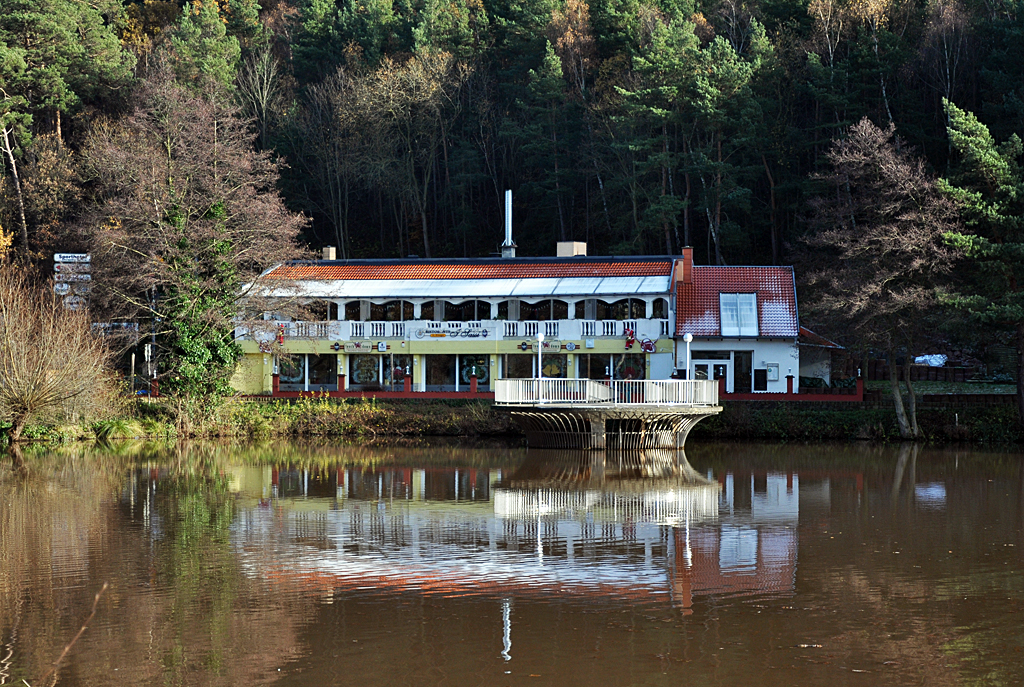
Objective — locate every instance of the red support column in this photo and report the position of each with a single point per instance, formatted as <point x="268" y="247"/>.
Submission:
<point x="275" y="385"/>
<point x="789" y="384"/>
<point x="472" y="384"/>
<point x="154" y="390"/>
<point x="407" y="384"/>
<point x="721" y="387"/>
<point x="860" y="388"/>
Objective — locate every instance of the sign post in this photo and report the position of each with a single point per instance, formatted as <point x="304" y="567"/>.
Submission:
<point x="70" y="271"/>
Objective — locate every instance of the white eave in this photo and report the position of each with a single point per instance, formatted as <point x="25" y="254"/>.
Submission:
<point x="595" y="287"/>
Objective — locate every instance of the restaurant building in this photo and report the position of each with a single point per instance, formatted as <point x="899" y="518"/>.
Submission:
<point x="430" y="326"/>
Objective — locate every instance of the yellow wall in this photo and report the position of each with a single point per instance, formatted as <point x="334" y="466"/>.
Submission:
<point x="253" y="375"/>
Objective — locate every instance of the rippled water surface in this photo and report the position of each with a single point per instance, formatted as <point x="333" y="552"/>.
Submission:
<point x="296" y="564"/>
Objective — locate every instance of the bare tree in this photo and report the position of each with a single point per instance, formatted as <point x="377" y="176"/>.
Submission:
<point x="945" y="46"/>
<point x="188" y="215"/>
<point x="570" y="34"/>
<point x="875" y="256"/>
<point x="10" y="120"/>
<point x="48" y="355"/>
<point x="258" y="88"/>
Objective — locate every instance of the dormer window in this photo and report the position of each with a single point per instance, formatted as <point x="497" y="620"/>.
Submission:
<point x="739" y="314"/>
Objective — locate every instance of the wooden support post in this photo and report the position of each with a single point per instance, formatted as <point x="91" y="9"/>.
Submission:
<point x="275" y="384"/>
<point x="472" y="384"/>
<point x="407" y="383"/>
<point x="789" y="384"/>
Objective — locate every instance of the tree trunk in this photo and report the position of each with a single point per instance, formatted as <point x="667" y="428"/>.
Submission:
<point x="18" y="422"/>
<point x="664" y="187"/>
<point x="911" y="402"/>
<point x="9" y="150"/>
<point x="771" y="189"/>
<point x="1020" y="374"/>
<point x="897" y="398"/>
<point x="426" y="239"/>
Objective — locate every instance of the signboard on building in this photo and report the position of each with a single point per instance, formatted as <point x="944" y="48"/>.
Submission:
<point x="62" y="289"/>
<point x="65" y="276"/>
<point x="452" y="333"/>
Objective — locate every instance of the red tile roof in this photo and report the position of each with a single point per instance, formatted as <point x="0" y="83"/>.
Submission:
<point x="477" y="269"/>
<point x="697" y="302"/>
<point x="810" y="338"/>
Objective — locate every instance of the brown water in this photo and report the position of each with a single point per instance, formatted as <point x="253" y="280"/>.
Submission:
<point x="300" y="565"/>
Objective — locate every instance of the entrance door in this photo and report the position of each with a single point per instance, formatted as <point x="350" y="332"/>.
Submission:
<point x="712" y="370"/>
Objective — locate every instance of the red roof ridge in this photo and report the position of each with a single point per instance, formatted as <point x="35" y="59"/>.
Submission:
<point x="553" y="269"/>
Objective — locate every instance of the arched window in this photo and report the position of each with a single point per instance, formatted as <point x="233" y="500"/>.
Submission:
<point x="660" y="309"/>
<point x="549" y="309"/>
<point x="467" y="311"/>
<point x="352" y="311"/>
<point x="623" y="309"/>
<point x="391" y="311"/>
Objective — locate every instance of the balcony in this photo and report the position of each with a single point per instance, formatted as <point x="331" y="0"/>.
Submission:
<point x="588" y="392"/>
<point x="553" y="330"/>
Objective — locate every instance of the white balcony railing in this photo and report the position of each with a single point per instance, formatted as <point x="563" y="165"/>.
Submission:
<point x="613" y="392"/>
<point x="565" y="330"/>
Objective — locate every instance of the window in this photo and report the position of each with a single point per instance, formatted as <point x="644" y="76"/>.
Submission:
<point x="544" y="310"/>
<point x="625" y="309"/>
<point x="352" y="313"/>
<point x="739" y="314"/>
<point x="660" y="309"/>
<point x="391" y="311"/>
<point x="467" y="311"/>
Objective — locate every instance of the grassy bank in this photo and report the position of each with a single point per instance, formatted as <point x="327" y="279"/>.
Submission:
<point x="368" y="419"/>
<point x="310" y="417"/>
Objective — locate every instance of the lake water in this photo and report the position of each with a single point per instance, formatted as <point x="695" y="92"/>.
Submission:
<point x="298" y="564"/>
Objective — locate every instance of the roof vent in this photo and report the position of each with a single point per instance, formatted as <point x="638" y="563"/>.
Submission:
<point x="570" y="249"/>
<point x="508" y="248"/>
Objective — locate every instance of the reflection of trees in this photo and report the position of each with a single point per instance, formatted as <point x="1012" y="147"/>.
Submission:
<point x="178" y="611"/>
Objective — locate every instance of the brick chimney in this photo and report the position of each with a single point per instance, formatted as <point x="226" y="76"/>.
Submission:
<point x="684" y="267"/>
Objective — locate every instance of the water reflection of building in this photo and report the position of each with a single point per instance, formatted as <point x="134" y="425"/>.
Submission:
<point x="645" y="528"/>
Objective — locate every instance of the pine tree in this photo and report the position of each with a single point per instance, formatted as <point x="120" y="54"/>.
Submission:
<point x="987" y="183"/>
<point x="202" y="50"/>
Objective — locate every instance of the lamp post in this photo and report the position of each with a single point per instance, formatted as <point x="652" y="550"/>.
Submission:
<point x="687" y="338"/>
<point x="540" y="352"/>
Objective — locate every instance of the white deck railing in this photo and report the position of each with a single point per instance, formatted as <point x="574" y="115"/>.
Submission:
<point x="565" y="330"/>
<point x="612" y="392"/>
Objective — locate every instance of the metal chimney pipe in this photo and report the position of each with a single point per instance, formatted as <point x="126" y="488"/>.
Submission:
<point x="508" y="248"/>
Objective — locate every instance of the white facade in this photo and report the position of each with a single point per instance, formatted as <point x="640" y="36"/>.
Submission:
<point x="742" y="362"/>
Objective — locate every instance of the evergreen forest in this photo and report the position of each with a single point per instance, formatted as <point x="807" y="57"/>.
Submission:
<point x="638" y="126"/>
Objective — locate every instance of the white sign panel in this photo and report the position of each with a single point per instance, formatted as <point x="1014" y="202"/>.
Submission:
<point x="64" y="276"/>
<point x="72" y="257"/>
<point x="62" y="289"/>
<point x="81" y="288"/>
<point x="72" y="267"/>
<point x="74" y="302"/>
